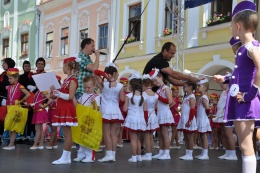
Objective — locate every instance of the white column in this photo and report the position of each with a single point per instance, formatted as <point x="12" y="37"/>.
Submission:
<point x="206" y="13"/>
<point x="193" y="26"/>
<point x="161" y="17"/>
<point x="150" y="27"/>
<point x="73" y="29"/>
<point x="113" y="35"/>
<point x="15" y="36"/>
<point x="234" y="3"/>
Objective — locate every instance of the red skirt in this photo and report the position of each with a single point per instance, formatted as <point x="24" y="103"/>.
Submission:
<point x="65" y="116"/>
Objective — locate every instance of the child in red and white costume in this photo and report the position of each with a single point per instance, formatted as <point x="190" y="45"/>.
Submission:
<point x="52" y="102"/>
<point x="112" y="95"/>
<point x="152" y="124"/>
<point x="176" y="117"/>
<point x="164" y="114"/>
<point x="66" y="112"/>
<point x="15" y="93"/>
<point x="40" y="117"/>
<point x="89" y="98"/>
<point x="188" y="122"/>
<point x="137" y="115"/>
<point x="202" y="118"/>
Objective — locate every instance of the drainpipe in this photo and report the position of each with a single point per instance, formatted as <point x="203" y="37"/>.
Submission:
<point x="38" y="18"/>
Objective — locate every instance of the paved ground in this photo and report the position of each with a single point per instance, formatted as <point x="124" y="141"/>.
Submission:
<point x="23" y="160"/>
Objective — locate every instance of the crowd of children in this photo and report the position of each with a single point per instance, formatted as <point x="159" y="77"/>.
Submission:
<point x="143" y="111"/>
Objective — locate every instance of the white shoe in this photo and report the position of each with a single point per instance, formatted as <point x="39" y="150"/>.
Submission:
<point x="55" y="147"/>
<point x="182" y="157"/>
<point x="61" y="162"/>
<point x="33" y="148"/>
<point x="106" y="159"/>
<point x="145" y="157"/>
<point x="78" y="159"/>
<point x="231" y="157"/>
<point x="87" y="160"/>
<point x="204" y="158"/>
<point x="187" y="158"/>
<point x="9" y="148"/>
<point x="196" y="157"/>
<point x="48" y="147"/>
<point x="177" y="147"/>
<point x="134" y="160"/>
<point x="223" y="156"/>
<point x="119" y="145"/>
<point x="139" y="158"/>
<point x="165" y="157"/>
<point x="40" y="147"/>
<point x="74" y="146"/>
<point x="102" y="146"/>
<point x="157" y="156"/>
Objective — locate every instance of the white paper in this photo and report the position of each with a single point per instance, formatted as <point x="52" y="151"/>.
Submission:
<point x="45" y="80"/>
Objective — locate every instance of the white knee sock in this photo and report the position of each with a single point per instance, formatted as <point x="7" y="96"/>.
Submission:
<point x="167" y="152"/>
<point x="249" y="164"/>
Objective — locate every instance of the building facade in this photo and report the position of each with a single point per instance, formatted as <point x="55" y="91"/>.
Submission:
<point x="18" y="31"/>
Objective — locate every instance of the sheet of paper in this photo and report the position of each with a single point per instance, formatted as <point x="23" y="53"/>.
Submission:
<point x="45" y="80"/>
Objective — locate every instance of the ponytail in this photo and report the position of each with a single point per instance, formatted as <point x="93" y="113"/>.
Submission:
<point x="132" y="99"/>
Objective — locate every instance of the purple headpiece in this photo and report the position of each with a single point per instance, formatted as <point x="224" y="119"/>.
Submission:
<point x="233" y="41"/>
<point x="243" y="6"/>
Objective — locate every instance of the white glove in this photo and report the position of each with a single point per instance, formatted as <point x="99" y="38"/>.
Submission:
<point x="61" y="95"/>
<point x="32" y="104"/>
<point x="3" y="103"/>
<point x="31" y="88"/>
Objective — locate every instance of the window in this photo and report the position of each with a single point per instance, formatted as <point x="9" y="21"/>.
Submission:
<point x="5" y="47"/>
<point x="221" y="7"/>
<point x="169" y="17"/>
<point x="6" y="1"/>
<point x="64" y="41"/>
<point x="83" y="34"/>
<point x="102" y="39"/>
<point x="49" y="44"/>
<point x="135" y="20"/>
<point x="24" y="44"/>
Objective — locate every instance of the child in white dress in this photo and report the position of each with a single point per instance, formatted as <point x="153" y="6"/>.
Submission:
<point x="202" y="118"/>
<point x="112" y="92"/>
<point x="89" y="98"/>
<point x="152" y="124"/>
<point x="137" y="114"/>
<point x="187" y="123"/>
<point x="164" y="114"/>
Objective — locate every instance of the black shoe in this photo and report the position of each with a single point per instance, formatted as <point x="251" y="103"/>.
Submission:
<point x="20" y="141"/>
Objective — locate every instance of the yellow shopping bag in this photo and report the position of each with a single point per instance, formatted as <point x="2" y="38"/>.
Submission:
<point x="88" y="133"/>
<point x="16" y="118"/>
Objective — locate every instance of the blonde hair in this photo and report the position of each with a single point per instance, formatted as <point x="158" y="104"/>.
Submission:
<point x="73" y="66"/>
<point x="89" y="78"/>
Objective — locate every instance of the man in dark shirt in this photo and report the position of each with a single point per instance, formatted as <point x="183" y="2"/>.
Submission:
<point x="160" y="61"/>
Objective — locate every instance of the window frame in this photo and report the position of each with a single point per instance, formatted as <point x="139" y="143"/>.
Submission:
<point x="132" y="22"/>
<point x="104" y="37"/>
<point x="49" y="43"/>
<point x="4" y="51"/>
<point x="7" y="2"/>
<point x="172" y="26"/>
<point x="80" y="38"/>
<point x="24" y="44"/>
<point x="64" y="38"/>
<point x="214" y="3"/>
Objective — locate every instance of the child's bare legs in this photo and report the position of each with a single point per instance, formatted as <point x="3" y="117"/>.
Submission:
<point x="134" y="142"/>
<point x="147" y="141"/>
<point x="174" y="136"/>
<point x="119" y="141"/>
<point x="244" y="131"/>
<point x="38" y="135"/>
<point x="204" y="140"/>
<point x="115" y="127"/>
<point x="12" y="135"/>
<point x="190" y="137"/>
<point x="53" y="140"/>
<point x="214" y="138"/>
<point x="165" y="137"/>
<point x="107" y="137"/>
<point x="68" y="138"/>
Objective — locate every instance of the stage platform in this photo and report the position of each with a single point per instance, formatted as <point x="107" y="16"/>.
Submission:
<point x="24" y="160"/>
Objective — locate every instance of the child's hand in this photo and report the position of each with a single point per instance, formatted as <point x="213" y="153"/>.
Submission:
<point x="218" y="78"/>
<point x="239" y="97"/>
<point x="188" y="124"/>
<point x="52" y="88"/>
